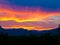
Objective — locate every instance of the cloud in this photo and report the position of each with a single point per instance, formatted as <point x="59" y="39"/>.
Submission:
<point x="45" y="4"/>
<point x="29" y="15"/>
<point x="29" y="25"/>
<point x="55" y="19"/>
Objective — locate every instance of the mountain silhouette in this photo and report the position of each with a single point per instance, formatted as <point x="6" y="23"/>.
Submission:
<point x="21" y="31"/>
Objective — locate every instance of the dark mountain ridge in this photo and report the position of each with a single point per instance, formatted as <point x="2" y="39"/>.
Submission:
<point x="21" y="31"/>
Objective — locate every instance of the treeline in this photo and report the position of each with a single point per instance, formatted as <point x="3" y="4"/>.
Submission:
<point x="44" y="39"/>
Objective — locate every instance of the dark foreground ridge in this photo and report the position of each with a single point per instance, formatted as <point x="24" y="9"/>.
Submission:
<point x="24" y="37"/>
<point x="21" y="31"/>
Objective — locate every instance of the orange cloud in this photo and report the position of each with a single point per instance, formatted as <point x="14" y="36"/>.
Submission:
<point x="26" y="16"/>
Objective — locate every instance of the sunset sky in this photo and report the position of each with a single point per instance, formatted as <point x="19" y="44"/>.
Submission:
<point x="30" y="14"/>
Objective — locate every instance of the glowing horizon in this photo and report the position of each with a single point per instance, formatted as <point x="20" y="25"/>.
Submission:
<point x="28" y="17"/>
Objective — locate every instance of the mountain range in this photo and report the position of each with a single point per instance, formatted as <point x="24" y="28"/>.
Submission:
<point x="21" y="32"/>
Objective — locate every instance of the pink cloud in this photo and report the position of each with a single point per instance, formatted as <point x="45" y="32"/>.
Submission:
<point x="29" y="24"/>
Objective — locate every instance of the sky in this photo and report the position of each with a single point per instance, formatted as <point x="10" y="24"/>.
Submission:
<point x="30" y="14"/>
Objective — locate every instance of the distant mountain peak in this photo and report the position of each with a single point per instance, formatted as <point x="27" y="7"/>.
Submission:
<point x="1" y="27"/>
<point x="59" y="26"/>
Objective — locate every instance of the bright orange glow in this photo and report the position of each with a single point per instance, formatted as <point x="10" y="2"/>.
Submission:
<point x="26" y="16"/>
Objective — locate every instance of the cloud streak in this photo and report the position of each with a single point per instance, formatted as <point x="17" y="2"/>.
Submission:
<point x="32" y="15"/>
